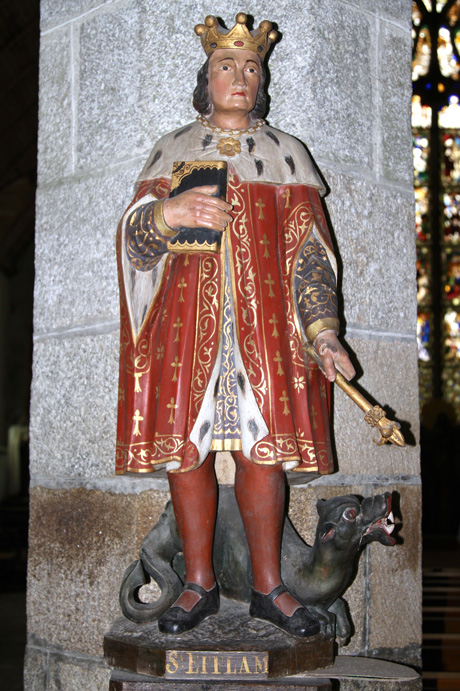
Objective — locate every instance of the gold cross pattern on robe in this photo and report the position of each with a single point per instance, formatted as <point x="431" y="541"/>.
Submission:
<point x="137" y="417"/>
<point x="176" y="364"/>
<point x="265" y="242"/>
<point x="172" y="406"/>
<point x="178" y="325"/>
<point x="260" y="205"/>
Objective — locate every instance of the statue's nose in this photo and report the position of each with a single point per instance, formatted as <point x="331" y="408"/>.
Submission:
<point x="240" y="79"/>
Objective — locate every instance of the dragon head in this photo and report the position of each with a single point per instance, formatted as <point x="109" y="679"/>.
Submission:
<point x="346" y="522"/>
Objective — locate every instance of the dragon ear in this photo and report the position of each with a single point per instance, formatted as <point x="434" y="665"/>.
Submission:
<point x="320" y="506"/>
<point x="329" y="533"/>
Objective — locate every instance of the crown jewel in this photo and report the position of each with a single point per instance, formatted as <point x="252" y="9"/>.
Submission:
<point x="214" y="37"/>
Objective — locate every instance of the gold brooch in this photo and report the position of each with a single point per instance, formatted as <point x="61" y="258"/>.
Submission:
<point x="228" y="146"/>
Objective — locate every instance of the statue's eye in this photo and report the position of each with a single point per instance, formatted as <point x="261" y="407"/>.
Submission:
<point x="349" y="515"/>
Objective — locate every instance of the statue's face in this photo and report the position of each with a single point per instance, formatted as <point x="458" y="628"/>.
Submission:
<point x="233" y="81"/>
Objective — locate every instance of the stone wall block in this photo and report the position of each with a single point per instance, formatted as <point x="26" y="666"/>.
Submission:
<point x="355" y="597"/>
<point x="390" y="379"/>
<point x="53" y="13"/>
<point x="373" y="228"/>
<point x="55" y="106"/>
<point x="395" y="582"/>
<point x="65" y="675"/>
<point x="399" y="11"/>
<point x="395" y="100"/>
<point x="380" y="685"/>
<point x="171" y="57"/>
<point x="108" y="114"/>
<point x="330" y="70"/>
<point x="73" y="407"/>
<point x="75" y="574"/>
<point x="35" y="669"/>
<point x="149" y="506"/>
<point x="76" y="272"/>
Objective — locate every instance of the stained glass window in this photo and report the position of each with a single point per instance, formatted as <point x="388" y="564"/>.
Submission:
<point x="451" y="158"/>
<point x="436" y="130"/>
<point x="451" y="216"/>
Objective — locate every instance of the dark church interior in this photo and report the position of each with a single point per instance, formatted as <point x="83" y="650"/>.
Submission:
<point x="440" y="429"/>
<point x="19" y="47"/>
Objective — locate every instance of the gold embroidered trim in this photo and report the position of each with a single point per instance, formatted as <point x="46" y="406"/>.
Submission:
<point x="321" y="325"/>
<point x="136" y="470"/>
<point x="160" y="222"/>
<point x="244" y="284"/>
<point x="226" y="445"/>
<point x="207" y="328"/>
<point x="296" y="229"/>
<point x="192" y="247"/>
<point x="286" y="448"/>
<point x="162" y="449"/>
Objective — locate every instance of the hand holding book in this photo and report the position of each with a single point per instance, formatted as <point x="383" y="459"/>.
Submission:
<point x="197" y="206"/>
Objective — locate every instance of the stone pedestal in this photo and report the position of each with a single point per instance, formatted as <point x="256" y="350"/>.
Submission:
<point x="124" y="681"/>
<point x="347" y="674"/>
<point x="225" y="647"/>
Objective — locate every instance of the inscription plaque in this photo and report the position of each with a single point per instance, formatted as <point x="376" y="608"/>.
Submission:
<point x="186" y="664"/>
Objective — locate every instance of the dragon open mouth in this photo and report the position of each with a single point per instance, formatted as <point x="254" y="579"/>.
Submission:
<point x="385" y="524"/>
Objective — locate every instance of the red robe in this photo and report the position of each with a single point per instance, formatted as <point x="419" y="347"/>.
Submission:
<point x="166" y="368"/>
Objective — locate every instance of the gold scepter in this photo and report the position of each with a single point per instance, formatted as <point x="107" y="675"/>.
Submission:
<point x="375" y="415"/>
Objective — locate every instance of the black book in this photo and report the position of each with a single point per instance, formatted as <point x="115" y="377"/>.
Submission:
<point x="185" y="176"/>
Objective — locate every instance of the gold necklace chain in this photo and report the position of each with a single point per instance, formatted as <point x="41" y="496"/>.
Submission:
<point x="237" y="133"/>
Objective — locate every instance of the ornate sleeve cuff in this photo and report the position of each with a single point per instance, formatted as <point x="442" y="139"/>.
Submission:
<point x="147" y="235"/>
<point x="159" y="221"/>
<point x="314" y="329"/>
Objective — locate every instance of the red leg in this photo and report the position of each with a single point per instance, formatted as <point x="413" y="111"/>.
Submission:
<point x="194" y="498"/>
<point x="261" y="494"/>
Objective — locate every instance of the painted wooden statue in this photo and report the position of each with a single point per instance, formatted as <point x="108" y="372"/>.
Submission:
<point x="213" y="333"/>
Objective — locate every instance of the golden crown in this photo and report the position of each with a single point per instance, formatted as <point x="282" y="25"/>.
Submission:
<point x="213" y="38"/>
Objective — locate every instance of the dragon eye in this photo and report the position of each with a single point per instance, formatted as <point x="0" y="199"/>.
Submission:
<point x="349" y="515"/>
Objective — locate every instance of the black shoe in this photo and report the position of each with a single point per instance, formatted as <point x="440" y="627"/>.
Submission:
<point x="178" y="620"/>
<point x="301" y="623"/>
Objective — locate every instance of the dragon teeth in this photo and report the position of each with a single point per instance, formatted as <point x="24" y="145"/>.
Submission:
<point x="390" y="523"/>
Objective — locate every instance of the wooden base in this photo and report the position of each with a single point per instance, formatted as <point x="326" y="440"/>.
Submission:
<point x="226" y="647"/>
